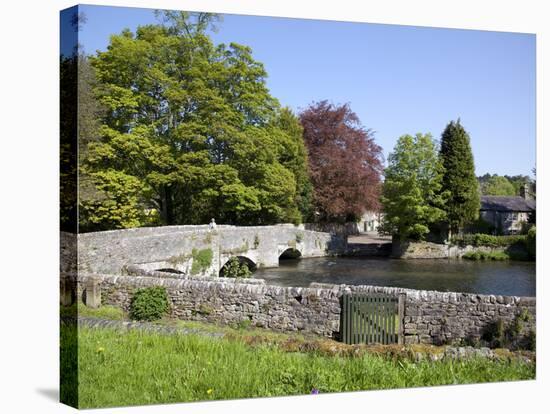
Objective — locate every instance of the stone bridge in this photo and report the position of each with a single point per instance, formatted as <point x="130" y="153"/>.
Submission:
<point x="177" y="247"/>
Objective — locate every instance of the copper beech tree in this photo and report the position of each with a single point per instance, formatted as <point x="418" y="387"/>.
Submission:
<point x="344" y="161"/>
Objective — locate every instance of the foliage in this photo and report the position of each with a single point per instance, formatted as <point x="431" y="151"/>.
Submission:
<point x="190" y="132"/>
<point x="412" y="199"/>
<point x="479" y="226"/>
<point x="459" y="179"/>
<point x="481" y="255"/>
<point x="500" y="335"/>
<point x="202" y="259"/>
<point x="531" y="242"/>
<point x="234" y="268"/>
<point x="519" y="182"/>
<point x="487" y="240"/>
<point x="494" y="332"/>
<point x="119" y="203"/>
<point x="149" y="303"/>
<point x="293" y="155"/>
<point x="146" y="368"/>
<point x="496" y="185"/>
<point x="345" y="163"/>
<point x="68" y="149"/>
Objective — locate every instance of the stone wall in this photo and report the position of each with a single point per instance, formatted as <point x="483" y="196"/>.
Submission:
<point x="446" y="317"/>
<point x="429" y="317"/>
<point x="419" y="250"/>
<point x="230" y="302"/>
<point x="428" y="250"/>
<point x="341" y="229"/>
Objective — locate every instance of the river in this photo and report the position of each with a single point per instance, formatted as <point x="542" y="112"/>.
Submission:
<point x="498" y="278"/>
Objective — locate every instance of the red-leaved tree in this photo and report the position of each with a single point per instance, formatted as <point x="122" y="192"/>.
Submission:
<point x="344" y="161"/>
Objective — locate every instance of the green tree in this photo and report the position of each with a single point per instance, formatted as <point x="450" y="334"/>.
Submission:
<point x="497" y="185"/>
<point x="293" y="156"/>
<point x="194" y="126"/>
<point x="412" y="199"/>
<point x="520" y="181"/>
<point x="459" y="179"/>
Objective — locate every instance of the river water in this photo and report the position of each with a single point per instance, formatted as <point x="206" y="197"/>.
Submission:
<point x="498" y="278"/>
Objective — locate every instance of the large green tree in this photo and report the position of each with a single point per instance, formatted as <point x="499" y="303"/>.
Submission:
<point x="459" y="178"/>
<point x="412" y="199"/>
<point x="191" y="132"/>
<point x="496" y="185"/>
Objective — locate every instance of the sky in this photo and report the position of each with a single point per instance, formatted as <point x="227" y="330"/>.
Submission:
<point x="397" y="79"/>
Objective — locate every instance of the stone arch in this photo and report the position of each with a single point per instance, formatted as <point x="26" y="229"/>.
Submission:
<point x="252" y="266"/>
<point x="290" y="253"/>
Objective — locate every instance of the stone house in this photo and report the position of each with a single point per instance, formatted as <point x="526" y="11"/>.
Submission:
<point x="507" y="214"/>
<point x="369" y="221"/>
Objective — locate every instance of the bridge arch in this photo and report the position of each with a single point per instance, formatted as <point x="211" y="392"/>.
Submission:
<point x="243" y="260"/>
<point x="290" y="253"/>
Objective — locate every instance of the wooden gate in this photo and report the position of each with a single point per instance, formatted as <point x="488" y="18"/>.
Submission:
<point x="372" y="318"/>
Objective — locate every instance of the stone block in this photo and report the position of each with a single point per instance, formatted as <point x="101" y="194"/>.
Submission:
<point x="67" y="294"/>
<point x="92" y="297"/>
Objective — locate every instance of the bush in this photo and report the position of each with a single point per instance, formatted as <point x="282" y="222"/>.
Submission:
<point x="149" y="304"/>
<point x="202" y="259"/>
<point x="234" y="268"/>
<point x="477" y="255"/>
<point x="481" y="226"/>
<point x="531" y="242"/>
<point x="512" y="336"/>
<point x="488" y="240"/>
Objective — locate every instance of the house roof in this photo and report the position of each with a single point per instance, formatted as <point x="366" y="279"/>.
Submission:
<point x="506" y="203"/>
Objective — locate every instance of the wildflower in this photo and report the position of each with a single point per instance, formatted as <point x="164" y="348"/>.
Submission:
<point x="209" y="391"/>
<point x="315" y="391"/>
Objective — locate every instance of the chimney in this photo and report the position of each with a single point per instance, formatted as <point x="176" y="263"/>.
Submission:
<point x="524" y="192"/>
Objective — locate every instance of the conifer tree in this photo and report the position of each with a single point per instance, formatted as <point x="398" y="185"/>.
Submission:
<point x="459" y="178"/>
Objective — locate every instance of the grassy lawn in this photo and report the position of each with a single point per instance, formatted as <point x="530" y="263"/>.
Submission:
<point x="134" y="367"/>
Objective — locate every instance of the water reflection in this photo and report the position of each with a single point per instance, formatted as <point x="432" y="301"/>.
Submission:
<point x="501" y="278"/>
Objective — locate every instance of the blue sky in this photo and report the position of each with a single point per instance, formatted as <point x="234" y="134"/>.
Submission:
<point x="398" y="79"/>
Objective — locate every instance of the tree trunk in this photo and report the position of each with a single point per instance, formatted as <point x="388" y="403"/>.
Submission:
<point x="166" y="211"/>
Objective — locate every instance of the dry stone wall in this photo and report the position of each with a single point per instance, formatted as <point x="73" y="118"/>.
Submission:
<point x="428" y="250"/>
<point x="429" y="317"/>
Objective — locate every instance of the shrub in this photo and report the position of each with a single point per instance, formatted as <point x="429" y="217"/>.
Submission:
<point x="481" y="226"/>
<point x="531" y="341"/>
<point x="202" y="259"/>
<point x="512" y="336"/>
<point x="149" y="304"/>
<point x="478" y="255"/>
<point x="493" y="333"/>
<point x="531" y="242"/>
<point x="488" y="240"/>
<point x="234" y="268"/>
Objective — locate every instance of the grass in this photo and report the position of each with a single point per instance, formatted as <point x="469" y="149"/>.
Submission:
<point x="135" y="367"/>
<point x="103" y="312"/>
